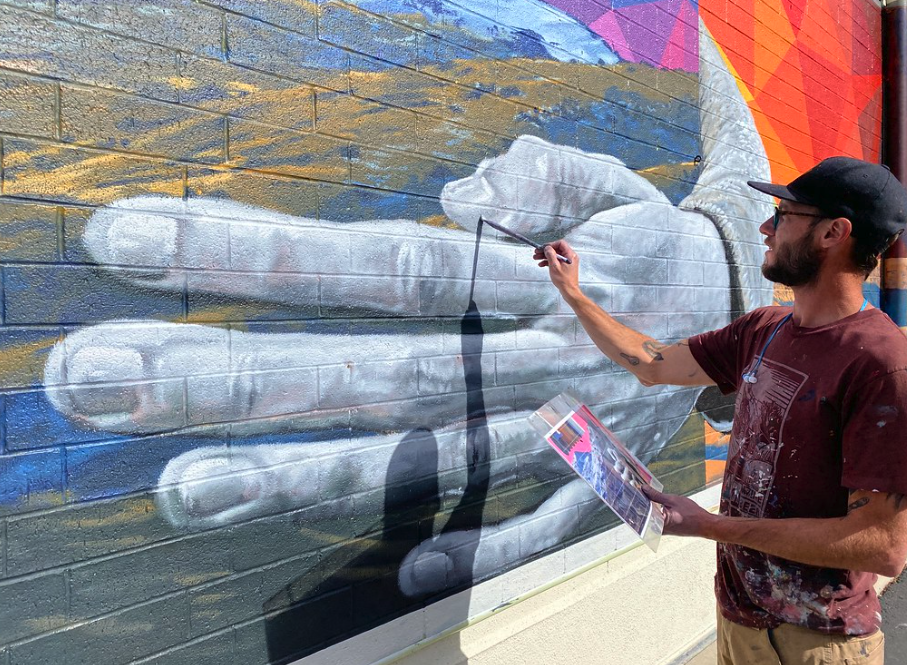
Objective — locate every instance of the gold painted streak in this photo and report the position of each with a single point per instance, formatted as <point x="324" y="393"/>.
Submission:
<point x="895" y="274"/>
<point x="136" y="509"/>
<point x="10" y="242"/>
<point x="47" y="498"/>
<point x="665" y="169"/>
<point x="81" y="176"/>
<point x="18" y="360"/>
<point x="488" y="112"/>
<point x="226" y="314"/>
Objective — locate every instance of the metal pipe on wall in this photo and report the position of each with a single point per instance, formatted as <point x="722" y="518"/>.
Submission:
<point x="894" y="152"/>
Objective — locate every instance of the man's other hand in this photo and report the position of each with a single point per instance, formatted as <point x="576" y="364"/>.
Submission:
<point x="683" y="516"/>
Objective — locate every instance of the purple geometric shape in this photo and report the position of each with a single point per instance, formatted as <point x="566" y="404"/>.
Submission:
<point x="584" y="11"/>
<point x="682" y="50"/>
<point x="620" y="4"/>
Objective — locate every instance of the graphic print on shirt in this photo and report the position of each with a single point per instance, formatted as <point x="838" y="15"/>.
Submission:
<point x="758" y="437"/>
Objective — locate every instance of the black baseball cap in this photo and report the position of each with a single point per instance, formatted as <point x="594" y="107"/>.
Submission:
<point x="867" y="194"/>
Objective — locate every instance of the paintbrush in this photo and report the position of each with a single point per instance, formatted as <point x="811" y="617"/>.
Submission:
<point x="519" y="236"/>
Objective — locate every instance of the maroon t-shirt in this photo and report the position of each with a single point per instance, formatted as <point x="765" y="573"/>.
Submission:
<point x="826" y="415"/>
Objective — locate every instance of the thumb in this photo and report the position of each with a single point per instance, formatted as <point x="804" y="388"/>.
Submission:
<point x="654" y="495"/>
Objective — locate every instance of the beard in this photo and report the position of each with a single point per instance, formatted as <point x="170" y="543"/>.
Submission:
<point x="795" y="264"/>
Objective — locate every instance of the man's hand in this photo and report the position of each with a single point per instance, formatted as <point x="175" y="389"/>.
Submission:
<point x="650" y="361"/>
<point x="683" y="516"/>
<point x="565" y="276"/>
<point x="872" y="537"/>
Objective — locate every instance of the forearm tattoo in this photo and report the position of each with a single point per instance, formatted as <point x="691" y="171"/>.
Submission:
<point x="899" y="500"/>
<point x="654" y="349"/>
<point x="633" y="360"/>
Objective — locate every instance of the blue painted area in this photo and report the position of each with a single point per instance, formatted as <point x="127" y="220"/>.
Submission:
<point x="115" y="468"/>
<point x="518" y="28"/>
<point x="510" y="91"/>
<point x="79" y="294"/>
<point x="111" y="466"/>
<point x="616" y="118"/>
<point x="645" y="118"/>
<point x="872" y="293"/>
<point x="31" y="481"/>
<point x="582" y="464"/>
<point x="716" y="452"/>
<point x="32" y="422"/>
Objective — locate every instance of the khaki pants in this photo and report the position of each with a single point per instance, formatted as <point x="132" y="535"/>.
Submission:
<point x="792" y="645"/>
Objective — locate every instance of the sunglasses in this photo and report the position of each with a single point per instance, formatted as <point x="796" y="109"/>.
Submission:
<point x="781" y="213"/>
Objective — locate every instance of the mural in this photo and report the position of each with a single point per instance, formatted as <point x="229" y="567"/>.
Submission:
<point x="266" y="379"/>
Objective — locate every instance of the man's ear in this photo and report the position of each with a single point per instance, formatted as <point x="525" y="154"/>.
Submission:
<point x="837" y="231"/>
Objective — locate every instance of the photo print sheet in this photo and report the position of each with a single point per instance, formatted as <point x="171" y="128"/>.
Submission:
<point x="598" y="456"/>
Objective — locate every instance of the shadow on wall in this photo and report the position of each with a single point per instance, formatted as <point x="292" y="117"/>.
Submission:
<point x="367" y="592"/>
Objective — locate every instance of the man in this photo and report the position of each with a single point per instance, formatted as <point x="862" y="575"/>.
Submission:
<point x="814" y="501"/>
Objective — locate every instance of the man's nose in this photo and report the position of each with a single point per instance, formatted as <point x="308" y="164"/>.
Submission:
<point x="767" y="227"/>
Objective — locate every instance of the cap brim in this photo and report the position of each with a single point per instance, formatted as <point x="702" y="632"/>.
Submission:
<point x="778" y="191"/>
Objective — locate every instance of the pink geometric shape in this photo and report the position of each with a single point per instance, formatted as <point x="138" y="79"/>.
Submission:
<point x="682" y="50"/>
<point x="608" y="27"/>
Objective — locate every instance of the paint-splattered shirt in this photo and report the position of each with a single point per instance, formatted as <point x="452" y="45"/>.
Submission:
<point x="827" y="414"/>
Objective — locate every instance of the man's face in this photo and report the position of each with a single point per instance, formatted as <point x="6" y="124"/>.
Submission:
<point x="793" y="257"/>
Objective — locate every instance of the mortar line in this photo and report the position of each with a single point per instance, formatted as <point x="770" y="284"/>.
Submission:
<point x="58" y="112"/>
<point x="224" y="42"/>
<point x="59" y="223"/>
<point x="2" y="295"/>
<point x="226" y="139"/>
<point x="3" y="451"/>
<point x="5" y="552"/>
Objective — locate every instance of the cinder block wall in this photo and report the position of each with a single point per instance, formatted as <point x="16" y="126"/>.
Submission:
<point x="246" y="409"/>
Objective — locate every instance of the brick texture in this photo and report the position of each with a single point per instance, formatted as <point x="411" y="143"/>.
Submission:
<point x="237" y="240"/>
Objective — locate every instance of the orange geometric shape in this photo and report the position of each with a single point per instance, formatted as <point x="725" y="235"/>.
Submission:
<point x="714" y="470"/>
<point x="784" y="102"/>
<point x="810" y="72"/>
<point x="741" y="20"/>
<point x="771" y="40"/>
<point x="779" y="158"/>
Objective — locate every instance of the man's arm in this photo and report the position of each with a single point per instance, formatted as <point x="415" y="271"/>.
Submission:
<point x="649" y="360"/>
<point x="872" y="537"/>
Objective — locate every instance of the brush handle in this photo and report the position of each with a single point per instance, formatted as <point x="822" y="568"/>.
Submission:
<point x="519" y="236"/>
